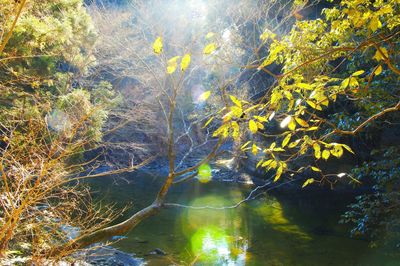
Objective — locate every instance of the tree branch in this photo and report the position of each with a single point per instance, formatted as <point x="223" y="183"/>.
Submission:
<point x="363" y="124"/>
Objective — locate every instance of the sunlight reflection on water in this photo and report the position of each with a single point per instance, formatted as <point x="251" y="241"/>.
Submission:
<point x="266" y="231"/>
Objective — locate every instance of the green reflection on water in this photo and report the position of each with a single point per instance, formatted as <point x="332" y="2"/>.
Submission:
<point x="215" y="236"/>
<point x="213" y="245"/>
<point x="273" y="215"/>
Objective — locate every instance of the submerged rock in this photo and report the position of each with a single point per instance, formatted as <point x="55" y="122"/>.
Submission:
<point x="158" y="251"/>
<point x="109" y="256"/>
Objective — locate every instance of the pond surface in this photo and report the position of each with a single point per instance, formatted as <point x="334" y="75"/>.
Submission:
<point x="271" y="230"/>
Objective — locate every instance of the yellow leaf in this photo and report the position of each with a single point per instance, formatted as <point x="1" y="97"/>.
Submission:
<point x="312" y="128"/>
<point x="301" y="122"/>
<point x="292" y="124"/>
<point x="267" y="34"/>
<point x="254" y="149"/>
<point x="347" y="148"/>
<point x="235" y="101"/>
<point x="210" y="35"/>
<point x="236" y="111"/>
<point x="208" y="122"/>
<point x="294" y="143"/>
<point x="172" y="64"/>
<point x="251" y="108"/>
<point x="235" y="129"/>
<point x="273" y="145"/>
<point x="315" y="169"/>
<point x="286" y="140"/>
<point x="210" y="48"/>
<point x="222" y="130"/>
<point x="378" y="70"/>
<point x="381" y="54"/>
<point x="345" y="83"/>
<point x="313" y="105"/>
<point x="276" y="97"/>
<point x="259" y="163"/>
<point x="275" y="49"/>
<point x="245" y="145"/>
<point x="267" y="163"/>
<point x="204" y="96"/>
<point x="158" y="45"/>
<point x="337" y="150"/>
<point x="260" y="118"/>
<point x="358" y="73"/>
<point x="273" y="165"/>
<point x="278" y="173"/>
<point x="317" y="150"/>
<point x="290" y="105"/>
<point x="185" y="62"/>
<point x="304" y="86"/>
<point x="326" y="154"/>
<point x="307" y="182"/>
<point x="266" y="62"/>
<point x="375" y="24"/>
<point x="253" y="126"/>
<point x="288" y="95"/>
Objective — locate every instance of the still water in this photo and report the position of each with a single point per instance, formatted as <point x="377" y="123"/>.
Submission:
<point x="271" y="230"/>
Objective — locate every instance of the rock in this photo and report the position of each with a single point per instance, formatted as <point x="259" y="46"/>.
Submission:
<point x="109" y="256"/>
<point x="158" y="251"/>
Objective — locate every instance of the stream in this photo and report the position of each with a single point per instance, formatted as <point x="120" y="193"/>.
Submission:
<point x="270" y="230"/>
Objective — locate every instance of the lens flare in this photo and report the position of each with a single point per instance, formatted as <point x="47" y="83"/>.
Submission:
<point x="215" y="247"/>
<point x="204" y="173"/>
